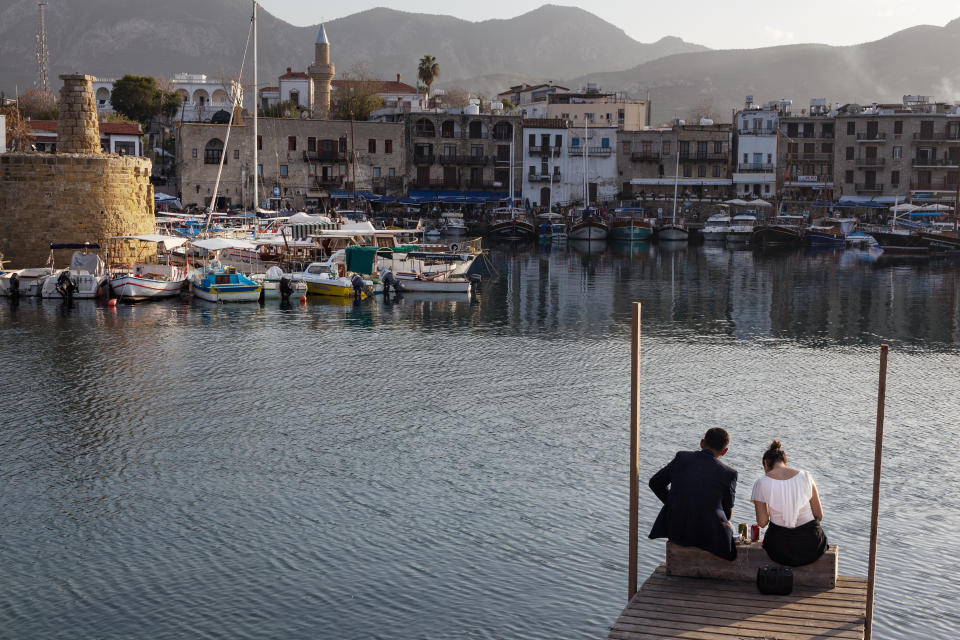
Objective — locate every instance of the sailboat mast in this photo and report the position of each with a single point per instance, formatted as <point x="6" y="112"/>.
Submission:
<point x="676" y="181"/>
<point x="586" y="151"/>
<point x="256" y="105"/>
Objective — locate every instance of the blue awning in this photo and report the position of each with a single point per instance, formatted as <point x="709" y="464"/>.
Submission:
<point x="463" y="197"/>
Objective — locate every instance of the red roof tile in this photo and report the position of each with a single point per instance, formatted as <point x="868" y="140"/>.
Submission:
<point x="108" y="128"/>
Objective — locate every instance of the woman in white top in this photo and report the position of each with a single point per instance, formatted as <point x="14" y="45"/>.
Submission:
<point x="786" y="499"/>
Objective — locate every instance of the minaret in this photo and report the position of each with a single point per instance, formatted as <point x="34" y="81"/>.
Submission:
<point x="321" y="73"/>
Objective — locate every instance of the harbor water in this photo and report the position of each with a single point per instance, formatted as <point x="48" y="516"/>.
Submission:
<point x="440" y="467"/>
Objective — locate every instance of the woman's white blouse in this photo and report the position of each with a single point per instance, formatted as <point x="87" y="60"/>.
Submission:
<point x="788" y="500"/>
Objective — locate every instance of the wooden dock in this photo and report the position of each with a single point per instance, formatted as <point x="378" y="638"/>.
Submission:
<point x="701" y="609"/>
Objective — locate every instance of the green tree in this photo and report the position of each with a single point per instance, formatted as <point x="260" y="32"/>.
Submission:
<point x="427" y="72"/>
<point x="141" y="99"/>
<point x="356" y="96"/>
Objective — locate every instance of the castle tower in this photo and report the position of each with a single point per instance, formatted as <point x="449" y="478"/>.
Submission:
<point x="321" y="74"/>
<point x="78" y="130"/>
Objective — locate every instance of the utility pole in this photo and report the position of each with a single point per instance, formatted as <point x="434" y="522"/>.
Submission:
<point x="43" y="55"/>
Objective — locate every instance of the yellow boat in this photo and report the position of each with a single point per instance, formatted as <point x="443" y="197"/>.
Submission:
<point x="330" y="279"/>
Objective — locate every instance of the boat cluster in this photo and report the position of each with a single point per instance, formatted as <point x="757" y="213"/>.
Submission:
<point x="288" y="260"/>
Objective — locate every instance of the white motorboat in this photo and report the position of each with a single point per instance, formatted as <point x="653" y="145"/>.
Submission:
<point x="453" y="224"/>
<point x="429" y="272"/>
<point x="26" y="282"/>
<point x="273" y="284"/>
<point x="85" y="278"/>
<point x="741" y="228"/>
<point x="716" y="227"/>
<point x="148" y="280"/>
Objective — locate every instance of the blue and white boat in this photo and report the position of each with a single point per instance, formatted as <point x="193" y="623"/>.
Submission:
<point x="217" y="283"/>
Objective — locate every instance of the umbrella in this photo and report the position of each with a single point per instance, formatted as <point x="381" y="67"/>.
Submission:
<point x="736" y="201"/>
<point x="759" y="202"/>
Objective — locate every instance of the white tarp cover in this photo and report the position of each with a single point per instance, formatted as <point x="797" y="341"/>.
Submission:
<point x="306" y="217"/>
<point x="274" y="273"/>
<point x="89" y="262"/>
<point x="759" y="202"/>
<point x="737" y="202"/>
<point x="218" y="244"/>
<point x="168" y="242"/>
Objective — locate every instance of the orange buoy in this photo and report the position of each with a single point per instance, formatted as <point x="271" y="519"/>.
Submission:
<point x="303" y="299"/>
<point x="112" y="302"/>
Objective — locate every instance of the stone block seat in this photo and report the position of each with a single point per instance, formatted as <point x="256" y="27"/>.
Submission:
<point x="692" y="562"/>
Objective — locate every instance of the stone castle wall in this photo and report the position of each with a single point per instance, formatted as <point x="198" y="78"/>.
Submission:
<point x="76" y="195"/>
<point x="48" y="198"/>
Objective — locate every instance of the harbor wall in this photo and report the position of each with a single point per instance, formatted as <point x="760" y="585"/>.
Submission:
<point x="76" y="195"/>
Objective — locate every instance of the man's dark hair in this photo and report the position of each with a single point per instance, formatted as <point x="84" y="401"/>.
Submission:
<point x="716" y="438"/>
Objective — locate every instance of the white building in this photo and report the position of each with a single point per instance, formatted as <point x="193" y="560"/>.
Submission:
<point x="201" y="96"/>
<point x="755" y="133"/>
<point x="556" y="158"/>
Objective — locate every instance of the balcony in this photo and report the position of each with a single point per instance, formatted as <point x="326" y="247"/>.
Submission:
<point x="328" y="181"/>
<point x="936" y="136"/>
<point x="645" y="156"/>
<point x="934" y="184"/>
<point x="543" y="177"/>
<point x="703" y="157"/>
<point x="468" y="160"/>
<point x="423" y="158"/>
<point x="871" y="162"/>
<point x="544" y="150"/>
<point x="763" y="131"/>
<point x="483" y="184"/>
<point x="872" y="187"/>
<point x="324" y="156"/>
<point x="811" y="157"/>
<point x="878" y="136"/>
<point x="593" y="151"/>
<point x="932" y="162"/>
<point x="754" y="167"/>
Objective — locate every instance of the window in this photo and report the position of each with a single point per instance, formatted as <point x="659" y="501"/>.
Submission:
<point x="388" y="146"/>
<point x="283" y="171"/>
<point x="449" y="150"/>
<point x="376" y="172"/>
<point x="295" y="99"/>
<point x="851" y="128"/>
<point x="476" y="150"/>
<point x="574" y="142"/>
<point x="895" y="178"/>
<point x="626" y="146"/>
<point x="718" y="147"/>
<point x="392" y="172"/>
<point x="342" y="145"/>
<point x="666" y="147"/>
<point x="769" y="158"/>
<point x="213" y="151"/>
<point x="604" y="143"/>
<point x="826" y="147"/>
<point x="746" y="158"/>
<point x="897" y="153"/>
<point x="236" y="154"/>
<point x="684" y="146"/>
<point x="533" y="170"/>
<point x="532" y="140"/>
<point x="558" y="141"/>
<point x="827" y="130"/>
<point x="260" y="170"/>
<point x="371" y="145"/>
<point x="766" y="188"/>
<point x="898" y="126"/>
<point x="702" y="149"/>
<point x="194" y="153"/>
<point x="259" y="143"/>
<point x="311" y="144"/>
<point x="702" y="171"/>
<point x="687" y="171"/>
<point x="849" y="153"/>
<point x="809" y="148"/>
<point x="291" y="143"/>
<point x="621" y="115"/>
<point x="716" y="171"/>
<point x="758" y="158"/>
<point x="848" y="177"/>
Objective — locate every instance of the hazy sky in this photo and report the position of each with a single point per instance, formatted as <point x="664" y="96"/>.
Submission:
<point x="720" y="25"/>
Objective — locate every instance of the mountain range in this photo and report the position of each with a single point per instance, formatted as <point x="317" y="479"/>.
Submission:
<point x="567" y="45"/>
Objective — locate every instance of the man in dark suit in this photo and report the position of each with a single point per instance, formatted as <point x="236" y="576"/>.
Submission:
<point x="697" y="492"/>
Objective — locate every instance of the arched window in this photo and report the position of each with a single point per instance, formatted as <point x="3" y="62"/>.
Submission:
<point x="103" y="96"/>
<point x="475" y="130"/>
<point x="220" y="97"/>
<point x="448" y="129"/>
<point x="502" y="131"/>
<point x="213" y="151"/>
<point x="201" y="97"/>
<point x="424" y="129"/>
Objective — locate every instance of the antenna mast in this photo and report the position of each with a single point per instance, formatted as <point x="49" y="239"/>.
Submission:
<point x="43" y="55"/>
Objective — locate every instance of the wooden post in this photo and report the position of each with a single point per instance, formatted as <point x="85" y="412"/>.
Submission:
<point x="874" y="513"/>
<point x="634" y="450"/>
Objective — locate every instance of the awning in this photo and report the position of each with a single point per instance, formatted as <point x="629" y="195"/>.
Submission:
<point x="683" y="182"/>
<point x="464" y="197"/>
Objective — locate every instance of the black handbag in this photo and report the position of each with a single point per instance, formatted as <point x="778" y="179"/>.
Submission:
<point x="775" y="580"/>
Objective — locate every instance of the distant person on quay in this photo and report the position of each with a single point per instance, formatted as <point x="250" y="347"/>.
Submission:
<point x="697" y="492"/>
<point x="788" y="503"/>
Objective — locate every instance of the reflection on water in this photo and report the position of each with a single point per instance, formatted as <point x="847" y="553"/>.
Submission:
<point x="448" y="466"/>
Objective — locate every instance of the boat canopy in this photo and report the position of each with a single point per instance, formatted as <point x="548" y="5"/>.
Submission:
<point x="218" y="244"/>
<point x="361" y="259"/>
<point x="75" y="245"/>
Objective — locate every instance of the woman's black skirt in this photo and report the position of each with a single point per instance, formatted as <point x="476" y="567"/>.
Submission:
<point x="795" y="547"/>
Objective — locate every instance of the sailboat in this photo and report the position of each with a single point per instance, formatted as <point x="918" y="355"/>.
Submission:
<point x="589" y="226"/>
<point x="512" y="221"/>
<point x="674" y="230"/>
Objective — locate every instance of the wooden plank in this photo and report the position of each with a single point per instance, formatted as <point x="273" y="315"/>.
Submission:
<point x="728" y="614"/>
<point x="748" y="627"/>
<point x="716" y="633"/>
<point x="735" y="602"/>
<point x="841" y="592"/>
<point x="694" y="603"/>
<point x="822" y="600"/>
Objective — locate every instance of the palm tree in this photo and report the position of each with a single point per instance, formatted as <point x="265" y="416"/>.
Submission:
<point x="427" y="73"/>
